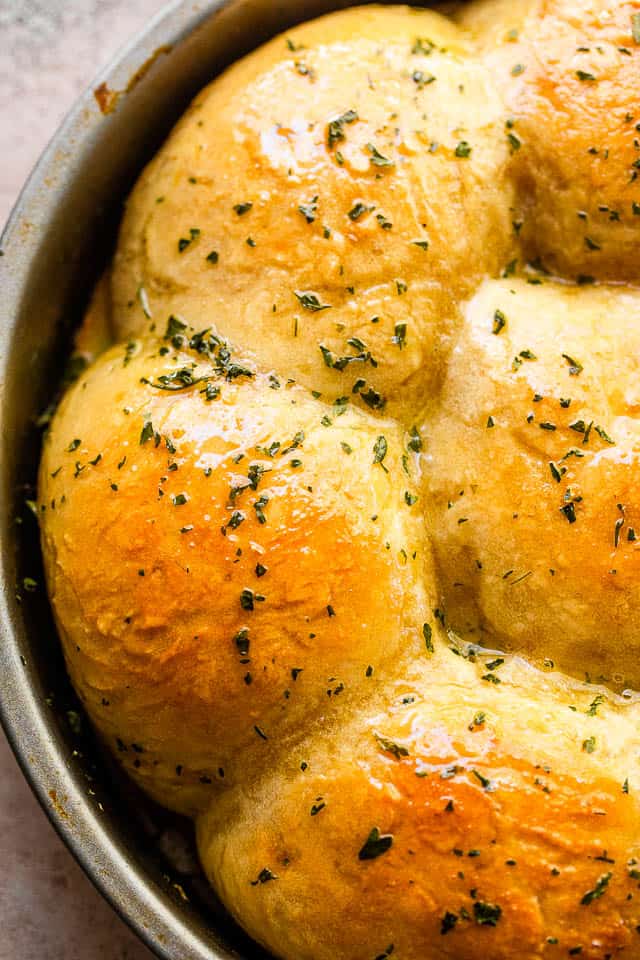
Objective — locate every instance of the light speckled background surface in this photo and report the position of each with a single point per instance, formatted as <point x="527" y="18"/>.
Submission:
<point x="49" y="51"/>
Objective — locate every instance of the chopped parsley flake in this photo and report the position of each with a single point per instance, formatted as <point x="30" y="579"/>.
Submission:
<point x="264" y="877"/>
<point x="389" y="746"/>
<point x="247" y="599"/>
<point x="400" y="335"/>
<point x="175" y="327"/>
<point x="147" y="432"/>
<point x="484" y="781"/>
<point x="311" y="301"/>
<point x="602" y="433"/>
<point x="415" y="440"/>
<point x="499" y="322"/>
<point x="358" y="210"/>
<point x="595" y="703"/>
<point x="601" y="885"/>
<point x="309" y="210"/>
<point x="241" y="641"/>
<point x="486" y="914"/>
<point x="448" y="922"/>
<point x="335" y="129"/>
<point x="236" y="519"/>
<point x="380" y="448"/>
<point x="422" y="79"/>
<point x="375" y="845"/>
<point x="423" y="46"/>
<point x="575" y="367"/>
<point x="377" y="159"/>
<point x="463" y="150"/>
<point x="514" y="142"/>
<point x="185" y="242"/>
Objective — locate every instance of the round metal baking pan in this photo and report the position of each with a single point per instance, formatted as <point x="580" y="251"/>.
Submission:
<point x="58" y="240"/>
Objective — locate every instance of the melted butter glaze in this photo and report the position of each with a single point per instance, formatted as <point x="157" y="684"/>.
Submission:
<point x="239" y="557"/>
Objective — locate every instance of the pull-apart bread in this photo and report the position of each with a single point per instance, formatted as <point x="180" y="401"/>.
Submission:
<point x="342" y="532"/>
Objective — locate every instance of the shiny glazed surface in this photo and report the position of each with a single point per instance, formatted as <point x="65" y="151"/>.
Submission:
<point x="238" y="537"/>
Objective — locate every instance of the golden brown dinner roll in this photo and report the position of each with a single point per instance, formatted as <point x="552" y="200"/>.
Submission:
<point x="238" y="551"/>
<point x="327" y="202"/>
<point x="532" y="466"/>
<point x="569" y="71"/>
<point x="479" y="820"/>
<point x="228" y="558"/>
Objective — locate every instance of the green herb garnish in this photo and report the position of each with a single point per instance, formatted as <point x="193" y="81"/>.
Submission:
<point x="601" y="885"/>
<point x="499" y="322"/>
<point x="486" y="914"/>
<point x="377" y="159"/>
<point x="185" y="242"/>
<point x="375" y="845"/>
<point x="335" y="129"/>
<point x="380" y="448"/>
<point x="463" y="150"/>
<point x="310" y="301"/>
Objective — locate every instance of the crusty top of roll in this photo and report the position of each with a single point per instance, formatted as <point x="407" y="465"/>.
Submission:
<point x="252" y="545"/>
<point x="331" y="198"/>
<point x="341" y="533"/>
<point x="532" y="467"/>
<point x="569" y="72"/>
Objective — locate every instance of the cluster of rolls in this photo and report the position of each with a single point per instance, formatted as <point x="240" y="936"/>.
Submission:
<point x="342" y="534"/>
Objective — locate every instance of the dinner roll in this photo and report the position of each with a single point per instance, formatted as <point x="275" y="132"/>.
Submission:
<point x="228" y="558"/>
<point x="326" y="203"/>
<point x="532" y="469"/>
<point x="569" y="71"/>
<point x="475" y="823"/>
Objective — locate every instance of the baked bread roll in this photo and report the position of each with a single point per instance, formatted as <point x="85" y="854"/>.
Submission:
<point x="453" y="818"/>
<point x="532" y="468"/>
<point x="569" y="73"/>
<point x="328" y="203"/>
<point x="264" y="542"/>
<point x="341" y="533"/>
